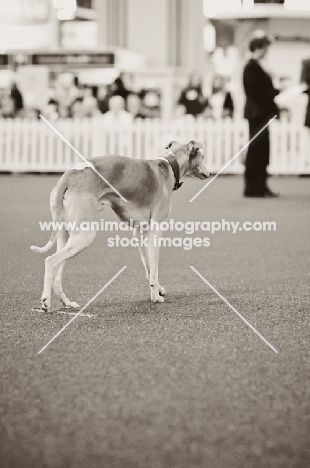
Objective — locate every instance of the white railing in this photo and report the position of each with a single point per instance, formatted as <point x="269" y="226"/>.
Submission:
<point x="31" y="146"/>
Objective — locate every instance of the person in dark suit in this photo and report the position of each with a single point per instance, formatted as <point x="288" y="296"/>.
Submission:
<point x="259" y="109"/>
<point x="305" y="78"/>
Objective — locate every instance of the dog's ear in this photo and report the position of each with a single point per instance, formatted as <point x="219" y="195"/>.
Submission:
<point x="170" y="144"/>
<point x="193" y="147"/>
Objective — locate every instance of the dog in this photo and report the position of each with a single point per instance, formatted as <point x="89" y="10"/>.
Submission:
<point x="146" y="188"/>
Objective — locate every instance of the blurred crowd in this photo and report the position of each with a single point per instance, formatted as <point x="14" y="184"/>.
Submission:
<point x="73" y="100"/>
<point x="119" y="104"/>
<point x="193" y="102"/>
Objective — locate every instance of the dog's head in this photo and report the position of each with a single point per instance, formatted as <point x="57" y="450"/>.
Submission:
<point x="195" y="153"/>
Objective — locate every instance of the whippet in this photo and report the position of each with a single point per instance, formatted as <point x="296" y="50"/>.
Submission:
<point x="146" y="185"/>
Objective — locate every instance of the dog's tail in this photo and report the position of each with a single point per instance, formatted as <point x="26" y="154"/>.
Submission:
<point x="50" y="244"/>
<point x="56" y="202"/>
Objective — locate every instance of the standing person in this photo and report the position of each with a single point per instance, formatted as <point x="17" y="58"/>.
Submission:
<point x="305" y="78"/>
<point x="117" y="117"/>
<point x="259" y="108"/>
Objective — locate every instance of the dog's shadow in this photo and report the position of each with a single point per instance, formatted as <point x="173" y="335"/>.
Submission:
<point x="173" y="302"/>
<point x="109" y="310"/>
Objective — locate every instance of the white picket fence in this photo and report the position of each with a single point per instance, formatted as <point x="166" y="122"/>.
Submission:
<point x="31" y="146"/>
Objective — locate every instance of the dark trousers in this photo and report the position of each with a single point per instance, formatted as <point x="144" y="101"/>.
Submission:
<point x="257" y="158"/>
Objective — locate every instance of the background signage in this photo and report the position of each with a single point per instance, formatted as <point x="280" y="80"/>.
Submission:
<point x="103" y="59"/>
<point x="295" y="38"/>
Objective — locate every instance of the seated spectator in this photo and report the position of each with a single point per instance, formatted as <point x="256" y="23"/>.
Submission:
<point x="103" y="97"/>
<point x="208" y="113"/>
<point x="191" y="96"/>
<point x="180" y="115"/>
<point x="134" y="106"/>
<point x="65" y="94"/>
<point x="228" y="105"/>
<point x="179" y="111"/>
<point x="7" y="108"/>
<point x="77" y="109"/>
<point x="116" y="115"/>
<point x="51" y="110"/>
<point x="118" y="88"/>
<point x="150" y="102"/>
<point x="217" y="98"/>
<point x="284" y="110"/>
<point x="89" y="102"/>
<point x="17" y="97"/>
<point x="221" y="99"/>
<point x="180" y="121"/>
<point x="32" y="113"/>
<point x="63" y="111"/>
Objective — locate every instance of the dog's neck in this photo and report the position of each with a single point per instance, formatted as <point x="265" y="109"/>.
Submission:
<point x="183" y="162"/>
<point x="173" y="162"/>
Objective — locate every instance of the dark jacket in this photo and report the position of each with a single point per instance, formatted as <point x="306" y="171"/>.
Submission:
<point x="305" y="77"/>
<point x="307" y="119"/>
<point x="193" y="100"/>
<point x="259" y="91"/>
<point x="17" y="98"/>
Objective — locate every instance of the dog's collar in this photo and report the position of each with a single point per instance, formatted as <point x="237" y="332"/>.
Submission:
<point x="172" y="160"/>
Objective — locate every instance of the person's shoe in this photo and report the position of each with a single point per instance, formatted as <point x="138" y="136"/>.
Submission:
<point x="254" y="195"/>
<point x="269" y="194"/>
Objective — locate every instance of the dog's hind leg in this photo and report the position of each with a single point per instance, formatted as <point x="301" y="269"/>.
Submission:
<point x="77" y="207"/>
<point x="77" y="242"/>
<point x="62" y="239"/>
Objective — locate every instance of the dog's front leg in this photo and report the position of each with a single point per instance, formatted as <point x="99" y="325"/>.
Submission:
<point x="153" y="251"/>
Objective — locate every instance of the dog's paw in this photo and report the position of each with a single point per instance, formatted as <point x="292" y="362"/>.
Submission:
<point x="158" y="299"/>
<point x="72" y="305"/>
<point x="162" y="291"/>
<point x="45" y="305"/>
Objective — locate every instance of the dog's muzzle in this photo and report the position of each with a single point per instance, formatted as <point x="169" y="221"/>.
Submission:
<point x="204" y="171"/>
